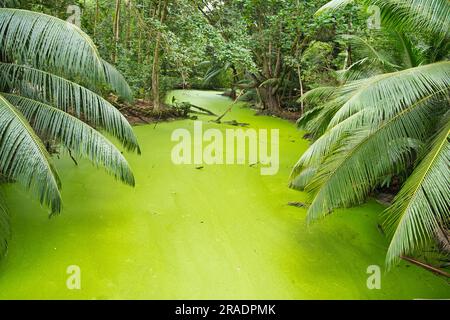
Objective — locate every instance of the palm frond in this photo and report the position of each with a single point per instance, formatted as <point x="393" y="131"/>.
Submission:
<point x="54" y="45"/>
<point x="68" y="96"/>
<point x="361" y="69"/>
<point x="303" y="178"/>
<point x="5" y="229"/>
<point x="24" y="158"/>
<point x="393" y="90"/>
<point x="211" y="74"/>
<point x="422" y="205"/>
<point x="410" y="55"/>
<point x="77" y="136"/>
<point x="117" y="82"/>
<point x="44" y="41"/>
<point x="364" y="49"/>
<point x="355" y="166"/>
<point x="332" y="6"/>
<point x="415" y="15"/>
<point x="326" y="142"/>
<point x="317" y="95"/>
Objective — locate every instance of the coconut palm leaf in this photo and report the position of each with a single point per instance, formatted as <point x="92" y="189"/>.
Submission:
<point x="333" y="5"/>
<point x="24" y="158"/>
<point x="361" y="156"/>
<point x="362" y="69"/>
<point x="418" y="15"/>
<point x="380" y="125"/>
<point x="317" y="95"/>
<point x="415" y="15"/>
<point x="117" y="82"/>
<point x="410" y="56"/>
<point x="364" y="49"/>
<point x="5" y="229"/>
<point x="422" y="207"/>
<point x="328" y="140"/>
<point x="270" y="82"/>
<point x="77" y="136"/>
<point x="68" y="96"/>
<point x="44" y="41"/>
<point x="354" y="168"/>
<point x="54" y="45"/>
<point x="371" y="101"/>
<point x="301" y="180"/>
<point x="393" y="91"/>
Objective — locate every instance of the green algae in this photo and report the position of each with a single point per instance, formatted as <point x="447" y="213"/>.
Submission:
<point x="222" y="232"/>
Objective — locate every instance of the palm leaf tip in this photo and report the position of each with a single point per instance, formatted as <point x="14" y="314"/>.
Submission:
<point x="416" y="15"/>
<point x="117" y="82"/>
<point x="392" y="91"/>
<point x="24" y="158"/>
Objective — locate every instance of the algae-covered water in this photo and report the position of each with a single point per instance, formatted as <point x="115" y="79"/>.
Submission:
<point x="220" y="232"/>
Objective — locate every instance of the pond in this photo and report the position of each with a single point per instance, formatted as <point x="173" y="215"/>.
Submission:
<point x="184" y="232"/>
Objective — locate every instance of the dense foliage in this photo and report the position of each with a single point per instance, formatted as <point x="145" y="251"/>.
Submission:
<point x="275" y="50"/>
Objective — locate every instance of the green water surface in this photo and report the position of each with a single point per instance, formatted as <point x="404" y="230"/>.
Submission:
<point x="221" y="232"/>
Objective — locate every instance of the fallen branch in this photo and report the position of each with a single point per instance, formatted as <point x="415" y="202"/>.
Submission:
<point x="204" y="110"/>
<point x="237" y="124"/>
<point x="71" y="156"/>
<point x="218" y="120"/>
<point x="297" y="204"/>
<point x="426" y="266"/>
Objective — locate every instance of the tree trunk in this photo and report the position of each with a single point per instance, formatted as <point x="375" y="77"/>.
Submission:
<point x="235" y="82"/>
<point x="155" y="68"/>
<point x="269" y="100"/>
<point x="96" y="18"/>
<point x="348" y="51"/>
<point x="128" y="5"/>
<point x="300" y="82"/>
<point x="116" y="30"/>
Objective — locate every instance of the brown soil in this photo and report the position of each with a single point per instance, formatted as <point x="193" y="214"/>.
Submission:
<point x="142" y="112"/>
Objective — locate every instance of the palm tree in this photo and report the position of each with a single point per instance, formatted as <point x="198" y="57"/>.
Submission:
<point x="388" y="118"/>
<point x="50" y="77"/>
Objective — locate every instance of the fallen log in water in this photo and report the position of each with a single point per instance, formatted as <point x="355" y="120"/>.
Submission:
<point x="297" y="204"/>
<point x="236" y="124"/>
<point x="208" y="112"/>
<point x="426" y="266"/>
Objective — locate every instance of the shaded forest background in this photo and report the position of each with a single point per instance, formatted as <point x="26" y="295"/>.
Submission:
<point x="275" y="50"/>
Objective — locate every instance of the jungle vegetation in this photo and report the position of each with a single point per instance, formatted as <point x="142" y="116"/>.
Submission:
<point x="369" y="80"/>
